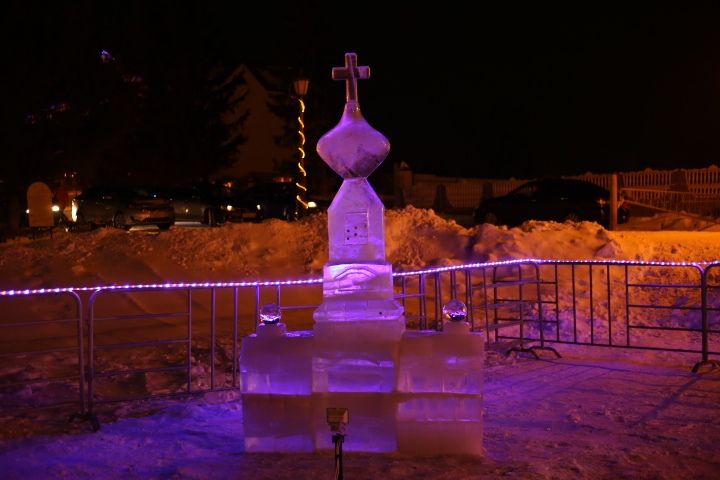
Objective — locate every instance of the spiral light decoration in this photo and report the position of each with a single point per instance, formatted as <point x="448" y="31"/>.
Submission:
<point x="301" y="150"/>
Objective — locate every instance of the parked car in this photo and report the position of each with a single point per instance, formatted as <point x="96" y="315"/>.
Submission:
<point x="275" y="200"/>
<point x="557" y="199"/>
<point x="123" y="207"/>
<point x="204" y="204"/>
<point x="240" y="209"/>
<point x="267" y="200"/>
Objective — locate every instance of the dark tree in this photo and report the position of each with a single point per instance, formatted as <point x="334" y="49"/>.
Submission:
<point x="148" y="109"/>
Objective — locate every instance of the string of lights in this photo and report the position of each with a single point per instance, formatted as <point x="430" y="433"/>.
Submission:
<point x="703" y="266"/>
<point x="301" y="149"/>
<point x="301" y="87"/>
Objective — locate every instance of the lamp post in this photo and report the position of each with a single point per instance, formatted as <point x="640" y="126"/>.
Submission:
<point x="301" y="87"/>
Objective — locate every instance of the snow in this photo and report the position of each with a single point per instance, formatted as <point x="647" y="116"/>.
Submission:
<point x="589" y="414"/>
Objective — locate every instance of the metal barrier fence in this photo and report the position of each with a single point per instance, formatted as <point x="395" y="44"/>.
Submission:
<point x="136" y="342"/>
<point x="185" y="337"/>
<point x="710" y="315"/>
<point x="42" y="361"/>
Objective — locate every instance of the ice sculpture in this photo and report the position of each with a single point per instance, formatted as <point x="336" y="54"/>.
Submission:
<point x="275" y="380"/>
<point x="359" y="324"/>
<point x="414" y="391"/>
<point x="441" y="379"/>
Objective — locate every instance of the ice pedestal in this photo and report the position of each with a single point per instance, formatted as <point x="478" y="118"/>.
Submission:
<point x="359" y="324"/>
<point x="449" y="362"/>
<point x="372" y="421"/>
<point x="276" y="361"/>
<point x="354" y="366"/>
<point x="416" y="392"/>
<point x="368" y="367"/>
<point x="440" y="435"/>
<point x="278" y="423"/>
<point x="440" y="382"/>
<point x="359" y="356"/>
<point x="275" y="380"/>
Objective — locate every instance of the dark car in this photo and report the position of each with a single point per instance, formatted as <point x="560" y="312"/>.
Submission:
<point x="268" y="200"/>
<point x="204" y="204"/>
<point x="274" y="200"/>
<point x="240" y="208"/>
<point x="123" y="207"/>
<point x="556" y="199"/>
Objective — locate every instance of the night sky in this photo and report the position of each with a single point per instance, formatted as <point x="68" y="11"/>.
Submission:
<point x="459" y="88"/>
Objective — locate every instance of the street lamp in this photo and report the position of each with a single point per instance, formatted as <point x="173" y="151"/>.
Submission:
<point x="301" y="87"/>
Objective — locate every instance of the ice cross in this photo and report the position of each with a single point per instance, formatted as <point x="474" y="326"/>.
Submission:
<point x="350" y="73"/>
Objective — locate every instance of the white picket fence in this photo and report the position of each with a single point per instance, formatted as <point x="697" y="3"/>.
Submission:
<point x="695" y="191"/>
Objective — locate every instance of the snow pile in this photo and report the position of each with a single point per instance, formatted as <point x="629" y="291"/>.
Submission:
<point x="416" y="238"/>
<point x="274" y="249"/>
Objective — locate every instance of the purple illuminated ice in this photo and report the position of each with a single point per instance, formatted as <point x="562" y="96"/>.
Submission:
<point x="274" y="360"/>
<point x="359" y="324"/>
<point x="413" y="392"/>
<point x="357" y="280"/>
<point x="440" y="378"/>
<point x="353" y="148"/>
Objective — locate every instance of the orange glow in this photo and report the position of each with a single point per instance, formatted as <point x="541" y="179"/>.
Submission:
<point x="301" y="149"/>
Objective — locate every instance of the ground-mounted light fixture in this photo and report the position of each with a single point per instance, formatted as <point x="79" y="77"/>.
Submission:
<point x="338" y="418"/>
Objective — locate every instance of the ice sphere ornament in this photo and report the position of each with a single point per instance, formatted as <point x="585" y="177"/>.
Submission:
<point x="455" y="311"/>
<point x="270" y="314"/>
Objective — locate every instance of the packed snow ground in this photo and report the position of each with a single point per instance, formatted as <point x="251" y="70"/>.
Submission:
<point x="565" y="418"/>
<point x="552" y="419"/>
